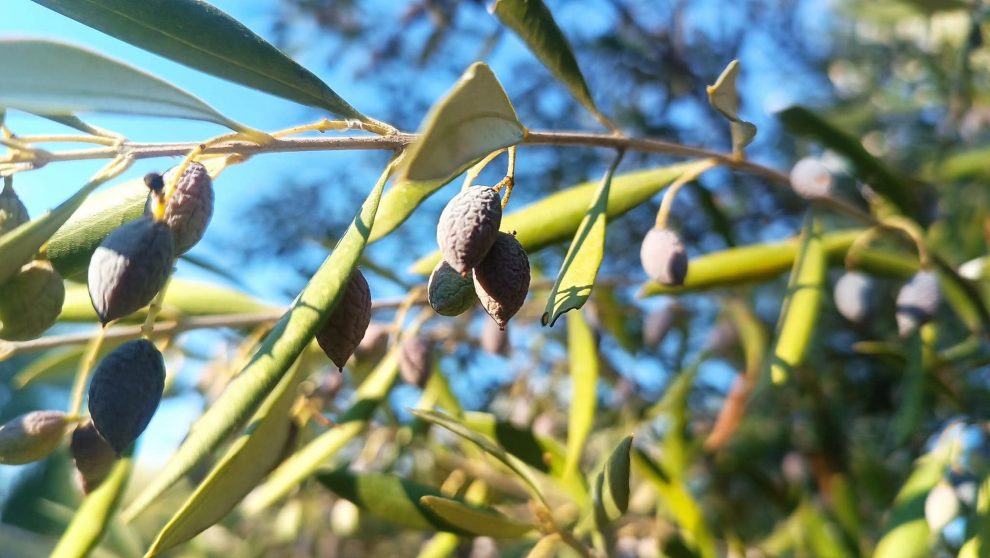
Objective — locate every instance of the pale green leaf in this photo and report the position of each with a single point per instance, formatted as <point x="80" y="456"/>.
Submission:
<point x="907" y="534"/>
<point x="724" y="97"/>
<point x="48" y="77"/>
<point x="197" y="34"/>
<point x="612" y="498"/>
<point x="475" y="521"/>
<point x="318" y="452"/>
<point x="472" y="120"/>
<point x="533" y="22"/>
<point x="93" y="516"/>
<point x="247" y="461"/>
<point x="802" y="304"/>
<point x="583" y="359"/>
<point x="978" y="544"/>
<point x="546" y="547"/>
<point x="440" y="545"/>
<point x="557" y="216"/>
<point x="280" y="348"/>
<point x="580" y="268"/>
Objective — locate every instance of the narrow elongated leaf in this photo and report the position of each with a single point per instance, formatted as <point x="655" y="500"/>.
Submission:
<point x="724" y="98"/>
<point x="802" y="305"/>
<point x="473" y="520"/>
<point x="557" y="216"/>
<point x="196" y="34"/>
<point x="472" y="120"/>
<point x="280" y="348"/>
<point x="546" y="547"/>
<point x="247" y="461"/>
<point x="912" y="405"/>
<point x="533" y="22"/>
<point x="869" y="169"/>
<point x="440" y="545"/>
<point x="580" y="268"/>
<point x="907" y="533"/>
<point x="978" y="544"/>
<point x="583" y="359"/>
<point x="486" y="444"/>
<point x="93" y="516"/>
<point x="752" y="336"/>
<point x="613" y="495"/>
<point x="762" y="262"/>
<point x="48" y="77"/>
<point x="318" y="452"/>
<point x="72" y="246"/>
<point x="184" y="296"/>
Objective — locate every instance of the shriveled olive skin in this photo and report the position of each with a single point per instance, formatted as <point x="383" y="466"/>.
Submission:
<point x="30" y="301"/>
<point x="450" y="293"/>
<point x="917" y="302"/>
<point x="345" y="328"/>
<point x="468" y="227"/>
<point x="93" y="456"/>
<point x="31" y="437"/>
<point x="664" y="258"/>
<point x="188" y="211"/>
<point x="129" y="268"/>
<point x="416" y="360"/>
<point x="501" y="280"/>
<point x="125" y="391"/>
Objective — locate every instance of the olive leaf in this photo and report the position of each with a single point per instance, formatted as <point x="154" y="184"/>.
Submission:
<point x="54" y="78"/>
<point x="580" y="268"/>
<point x="612" y="486"/>
<point x="583" y="359"/>
<point x="907" y="533"/>
<point x="473" y="520"/>
<point x="724" y="98"/>
<point x="199" y="35"/>
<point x="280" y="348"/>
<point x="94" y="515"/>
<point x="472" y="120"/>
<point x="802" y="303"/>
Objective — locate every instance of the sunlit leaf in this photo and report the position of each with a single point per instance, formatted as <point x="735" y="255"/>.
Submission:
<point x="724" y="97"/>
<point x="472" y="120"/>
<point x="583" y="359"/>
<point x="319" y="451"/>
<point x="580" y="268"/>
<point x="93" y="516"/>
<point x="201" y="36"/>
<point x="557" y="216"/>
<point x="247" y="461"/>
<point x="280" y="348"/>
<point x="473" y="520"/>
<point x="48" y="77"/>
<point x="802" y="303"/>
<point x="546" y="547"/>
<point x="533" y="22"/>
<point x="978" y="543"/>
<point x="907" y="533"/>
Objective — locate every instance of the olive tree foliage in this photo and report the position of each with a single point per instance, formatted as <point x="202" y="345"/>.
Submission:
<point x="812" y="383"/>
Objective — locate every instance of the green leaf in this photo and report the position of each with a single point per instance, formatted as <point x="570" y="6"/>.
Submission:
<point x="247" y="461"/>
<point x="907" y="534"/>
<point x="802" y="304"/>
<point x="533" y="22"/>
<point x="724" y="98"/>
<point x="53" y="78"/>
<point x="762" y="262"/>
<point x="486" y="444"/>
<point x="315" y="454"/>
<point x="546" y="547"/>
<point x="473" y="520"/>
<point x="472" y="120"/>
<point x="93" y="516"/>
<point x="752" y="336"/>
<point x="869" y="169"/>
<point x="580" y="268"/>
<point x="72" y="246"/>
<point x="907" y="419"/>
<point x="557" y="216"/>
<point x="583" y="359"/>
<point x="440" y="545"/>
<point x="280" y="348"/>
<point x="184" y="297"/>
<point x="198" y="35"/>
<point x="539" y="452"/>
<point x="20" y="245"/>
<point x="978" y="543"/>
<point x="613" y="497"/>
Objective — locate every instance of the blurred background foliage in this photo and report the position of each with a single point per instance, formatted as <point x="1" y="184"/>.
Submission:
<point x="816" y="467"/>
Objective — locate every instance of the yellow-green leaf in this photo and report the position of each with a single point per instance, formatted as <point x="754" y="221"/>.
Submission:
<point x="557" y="216"/>
<point x="280" y="348"/>
<point x="583" y="360"/>
<point x="475" y="521"/>
<point x="93" y="516"/>
<point x="724" y="98"/>
<point x="440" y="545"/>
<point x="752" y="336"/>
<point x="49" y="77"/>
<point x="315" y="454"/>
<point x="199" y="35"/>
<point x="612" y="498"/>
<point x="978" y="544"/>
<point x="533" y="22"/>
<point x="247" y="461"/>
<point x="802" y="304"/>
<point x="580" y="268"/>
<point x="907" y="534"/>
<point x="472" y="120"/>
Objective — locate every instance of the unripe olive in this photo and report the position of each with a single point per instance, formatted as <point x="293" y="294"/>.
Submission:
<point x="416" y="360"/>
<point x="917" y="302"/>
<point x="663" y="257"/>
<point x="449" y="292"/>
<point x="125" y="392"/>
<point x="12" y="212"/>
<point x="811" y="179"/>
<point x="30" y="301"/>
<point x="347" y="324"/>
<point x="501" y="280"/>
<point x="31" y="437"/>
<point x="468" y="227"/>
